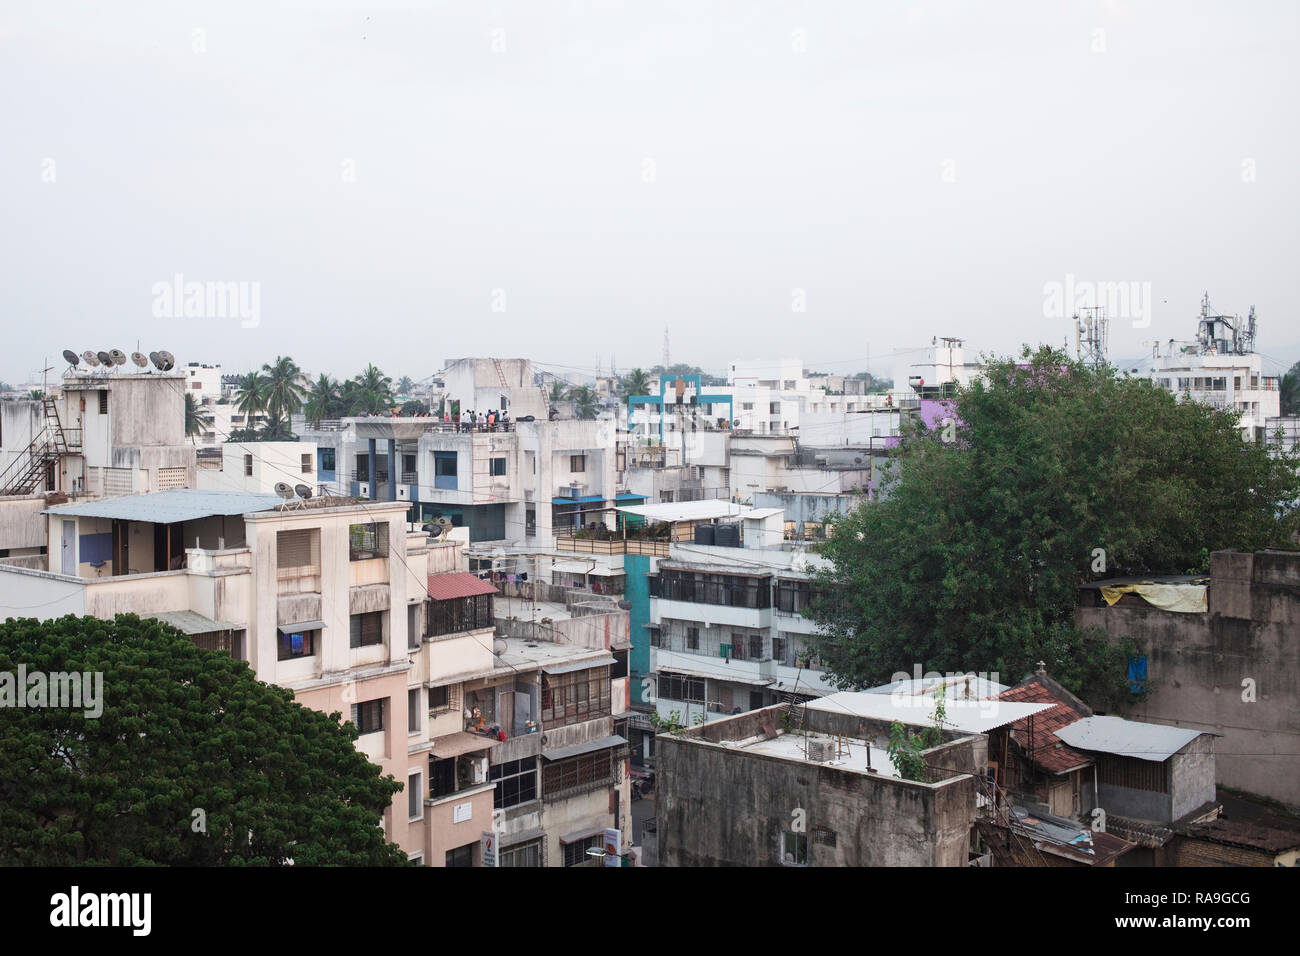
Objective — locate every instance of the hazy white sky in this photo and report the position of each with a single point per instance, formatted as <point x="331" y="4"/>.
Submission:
<point x="562" y="180"/>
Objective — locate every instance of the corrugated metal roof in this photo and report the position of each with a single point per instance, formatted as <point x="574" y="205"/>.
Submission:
<point x="591" y="746"/>
<point x="191" y="622"/>
<point x="705" y="510"/>
<point x="578" y="665"/>
<point x="458" y="584"/>
<point x="1127" y="738"/>
<point x="168" y="507"/>
<point x="1048" y="752"/>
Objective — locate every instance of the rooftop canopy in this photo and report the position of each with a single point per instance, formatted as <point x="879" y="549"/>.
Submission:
<point x="705" y="510"/>
<point x="966" y="716"/>
<point x="169" y="507"/>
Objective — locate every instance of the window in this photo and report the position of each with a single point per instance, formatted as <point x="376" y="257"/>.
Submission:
<point x="794" y="848"/>
<point x="516" y="782"/>
<point x="103" y="402"/>
<point x="577" y="463"/>
<point x="587" y="772"/>
<point x="747" y="406"/>
<point x="461" y="856"/>
<point x="444" y="464"/>
<point x="701" y="588"/>
<point x="413" y="723"/>
<point x="738" y="648"/>
<point x="774" y="408"/>
<point x="498" y="466"/>
<point x="326" y="459"/>
<point x="679" y="687"/>
<point x="366" y="629"/>
<point x="196" y="386"/>
<point x="439" y="698"/>
<point x="755" y="647"/>
<point x="248" y="466"/>
<point x="522" y="854"/>
<point x="459" y="614"/>
<point x="368" y="541"/>
<point x="692" y="638"/>
<point x="293" y="644"/>
<point x="415" y="796"/>
<point x="576" y="696"/>
<point x="412" y="627"/>
<point x="369" y="716"/>
<point x="781" y="650"/>
<point x="306" y="464"/>
<point x="297" y="549"/>
<point x="619" y="667"/>
<point x="575" y="853"/>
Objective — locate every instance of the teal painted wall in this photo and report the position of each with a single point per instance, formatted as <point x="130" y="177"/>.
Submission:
<point x="637" y="593"/>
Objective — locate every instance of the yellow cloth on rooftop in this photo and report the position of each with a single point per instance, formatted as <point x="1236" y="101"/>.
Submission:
<point x="1180" y="598"/>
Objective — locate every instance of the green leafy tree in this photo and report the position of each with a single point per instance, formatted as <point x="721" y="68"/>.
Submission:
<point x="370" y="393"/>
<point x="276" y="429"/>
<point x="251" y="398"/>
<point x="192" y="762"/>
<point x="558" y="392"/>
<point x="987" y="524"/>
<point x="636" y="382"/>
<point x="584" y="402"/>
<point x="1289" y="388"/>
<point x="284" y="389"/>
<point x="322" y="399"/>
<point x="413" y="407"/>
<point x="405" y="384"/>
<point x="197" y="418"/>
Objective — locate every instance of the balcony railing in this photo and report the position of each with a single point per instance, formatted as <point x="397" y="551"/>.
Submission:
<point x="654" y="549"/>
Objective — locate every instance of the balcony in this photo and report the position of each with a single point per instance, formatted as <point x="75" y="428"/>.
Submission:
<point x="584" y="545"/>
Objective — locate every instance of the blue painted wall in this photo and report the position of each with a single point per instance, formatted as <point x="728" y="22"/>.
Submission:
<point x="635" y="568"/>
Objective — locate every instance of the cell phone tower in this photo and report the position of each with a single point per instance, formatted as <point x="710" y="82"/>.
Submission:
<point x="1091" y="336"/>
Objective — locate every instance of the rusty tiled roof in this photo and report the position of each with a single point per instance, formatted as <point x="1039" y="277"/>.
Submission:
<point x="1049" y="753"/>
<point x="458" y="584"/>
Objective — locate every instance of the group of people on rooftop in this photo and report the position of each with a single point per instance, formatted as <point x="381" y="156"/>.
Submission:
<point x="490" y="420"/>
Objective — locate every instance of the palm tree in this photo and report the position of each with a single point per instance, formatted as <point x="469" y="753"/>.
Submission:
<point x="404" y="385"/>
<point x="276" y="429"/>
<point x="284" y="391"/>
<point x="372" y="393"/>
<point x="322" y="399"/>
<point x="251" y="397"/>
<point x="584" y="402"/>
<point x="558" y="393"/>
<point x="636" y="382"/>
<point x="197" y="418"/>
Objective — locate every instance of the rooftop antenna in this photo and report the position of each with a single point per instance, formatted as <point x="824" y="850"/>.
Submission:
<point x="72" y="358"/>
<point x="667" y="354"/>
<point x="1092" y="336"/>
<point x="285" y="491"/>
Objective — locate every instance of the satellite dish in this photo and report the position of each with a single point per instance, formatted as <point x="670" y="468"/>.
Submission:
<point x="167" y="359"/>
<point x="139" y="359"/>
<point x="89" y="357"/>
<point x="283" y="490"/>
<point x="118" y="356"/>
<point x="71" y="357"/>
<point x="302" y="491"/>
<point x="104" y="358"/>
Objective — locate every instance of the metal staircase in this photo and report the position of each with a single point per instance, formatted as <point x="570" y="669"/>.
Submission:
<point x="27" y="471"/>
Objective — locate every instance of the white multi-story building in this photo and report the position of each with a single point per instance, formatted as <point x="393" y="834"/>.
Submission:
<point x="1220" y="368"/>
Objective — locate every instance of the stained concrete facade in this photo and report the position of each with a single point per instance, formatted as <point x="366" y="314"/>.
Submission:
<point x="1232" y="670"/>
<point x="721" y="805"/>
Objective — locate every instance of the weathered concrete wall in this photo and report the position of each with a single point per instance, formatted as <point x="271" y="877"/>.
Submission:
<point x="1192" y="776"/>
<point x="21" y="523"/>
<point x="721" y="806"/>
<point x="1136" y="804"/>
<point x="1234" y="670"/>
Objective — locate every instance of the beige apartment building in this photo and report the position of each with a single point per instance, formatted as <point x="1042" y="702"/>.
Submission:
<point x="338" y="601"/>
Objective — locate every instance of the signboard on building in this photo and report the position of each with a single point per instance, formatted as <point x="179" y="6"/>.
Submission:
<point x="489" y="845"/>
<point x="613" y="841"/>
<point x="462" y="812"/>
